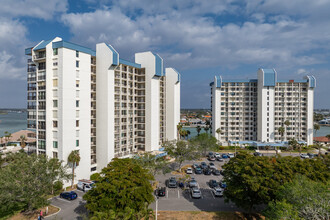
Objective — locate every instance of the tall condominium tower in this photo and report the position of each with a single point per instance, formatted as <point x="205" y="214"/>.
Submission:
<point x="98" y="103"/>
<point x="255" y="109"/>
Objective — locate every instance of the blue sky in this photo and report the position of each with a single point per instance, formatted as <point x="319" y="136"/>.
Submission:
<point x="199" y="38"/>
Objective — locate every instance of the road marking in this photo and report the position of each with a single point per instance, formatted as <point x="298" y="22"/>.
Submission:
<point x="212" y="195"/>
<point x="166" y="193"/>
<point x="178" y="194"/>
<point x="64" y="200"/>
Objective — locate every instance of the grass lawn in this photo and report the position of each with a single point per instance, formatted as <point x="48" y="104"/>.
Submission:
<point x="34" y="215"/>
<point x="200" y="215"/>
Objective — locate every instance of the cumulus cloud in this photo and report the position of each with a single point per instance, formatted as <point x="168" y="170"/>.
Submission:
<point x="32" y="8"/>
<point x="12" y="43"/>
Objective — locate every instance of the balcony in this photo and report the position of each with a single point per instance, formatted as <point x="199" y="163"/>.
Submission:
<point x="41" y="107"/>
<point x="32" y="126"/>
<point x="42" y="77"/>
<point x="41" y="87"/>
<point x="31" y="98"/>
<point x="31" y="88"/>
<point x="31" y="69"/>
<point x="31" y="107"/>
<point x="39" y="56"/>
<point x="31" y="79"/>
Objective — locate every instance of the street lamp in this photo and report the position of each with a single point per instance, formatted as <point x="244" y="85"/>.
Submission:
<point x="156" y="206"/>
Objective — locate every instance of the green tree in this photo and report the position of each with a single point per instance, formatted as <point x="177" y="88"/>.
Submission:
<point x="198" y="129"/>
<point x="294" y="144"/>
<point x="218" y="131"/>
<point x="123" y="191"/>
<point x="153" y="163"/>
<point x="56" y="172"/>
<point x="7" y="138"/>
<point x="204" y="143"/>
<point x="281" y="130"/>
<point x="73" y="160"/>
<point x="279" y="210"/>
<point x="287" y="124"/>
<point x="181" y="151"/>
<point x="22" y="139"/>
<point x="316" y="128"/>
<point x="179" y="128"/>
<point x="304" y="198"/>
<point x="255" y="180"/>
<point x="25" y="181"/>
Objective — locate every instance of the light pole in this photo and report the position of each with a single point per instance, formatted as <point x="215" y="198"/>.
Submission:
<point x="156" y="207"/>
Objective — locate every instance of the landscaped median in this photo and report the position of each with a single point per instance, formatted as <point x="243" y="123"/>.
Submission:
<point x="34" y="215"/>
<point x="200" y="215"/>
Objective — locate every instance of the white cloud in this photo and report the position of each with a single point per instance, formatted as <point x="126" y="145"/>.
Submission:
<point x="12" y="44"/>
<point x="32" y="8"/>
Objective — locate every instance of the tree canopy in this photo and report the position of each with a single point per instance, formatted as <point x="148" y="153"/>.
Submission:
<point x="153" y="163"/>
<point x="203" y="143"/>
<point x="26" y="180"/>
<point x="122" y="191"/>
<point x="255" y="180"/>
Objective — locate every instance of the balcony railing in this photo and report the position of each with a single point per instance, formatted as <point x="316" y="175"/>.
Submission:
<point x="31" y="126"/>
<point x="31" y="69"/>
<point x="39" y="56"/>
<point x="30" y="79"/>
<point x="31" y="107"/>
<point x="41" y="87"/>
<point x="42" y="77"/>
<point x="31" y="88"/>
<point x="32" y="98"/>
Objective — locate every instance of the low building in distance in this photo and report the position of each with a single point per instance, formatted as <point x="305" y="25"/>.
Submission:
<point x="98" y="103"/>
<point x="253" y="110"/>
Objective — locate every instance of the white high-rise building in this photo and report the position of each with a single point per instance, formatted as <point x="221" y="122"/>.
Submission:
<point x="98" y="103"/>
<point x="255" y="109"/>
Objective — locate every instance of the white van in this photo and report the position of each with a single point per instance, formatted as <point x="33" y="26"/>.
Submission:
<point x="85" y="185"/>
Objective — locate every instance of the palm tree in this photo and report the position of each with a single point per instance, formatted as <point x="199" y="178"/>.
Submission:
<point x="218" y="131"/>
<point x="281" y="130"/>
<point x="188" y="133"/>
<point x="286" y="123"/>
<point x="179" y="127"/>
<point x="22" y="139"/>
<point x="7" y="137"/>
<point x="316" y="128"/>
<point x="294" y="143"/>
<point x="318" y="145"/>
<point x="198" y="128"/>
<point x="74" y="159"/>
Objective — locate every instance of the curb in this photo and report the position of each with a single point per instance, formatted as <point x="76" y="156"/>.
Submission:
<point x="55" y="212"/>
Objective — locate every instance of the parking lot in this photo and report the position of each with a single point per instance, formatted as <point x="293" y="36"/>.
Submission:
<point x="179" y="199"/>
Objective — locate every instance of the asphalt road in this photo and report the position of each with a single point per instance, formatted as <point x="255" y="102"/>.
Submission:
<point x="74" y="209"/>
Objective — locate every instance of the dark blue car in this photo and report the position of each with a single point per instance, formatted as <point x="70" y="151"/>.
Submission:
<point x="224" y="156"/>
<point x="69" y="195"/>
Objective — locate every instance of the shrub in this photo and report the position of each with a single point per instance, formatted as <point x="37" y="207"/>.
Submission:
<point x="94" y="176"/>
<point x="250" y="147"/>
<point x="221" y="147"/>
<point x="58" y="186"/>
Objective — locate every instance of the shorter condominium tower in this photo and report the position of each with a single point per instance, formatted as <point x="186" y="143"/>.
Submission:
<point x="255" y="109"/>
<point x="98" y="103"/>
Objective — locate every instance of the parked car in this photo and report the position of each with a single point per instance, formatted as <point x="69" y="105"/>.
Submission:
<point x="195" y="165"/>
<point x="189" y="170"/>
<point x="198" y="170"/>
<point x="203" y="165"/>
<point x="211" y="158"/>
<point x="193" y="183"/>
<point x="217" y="155"/>
<point x="223" y="184"/>
<point x="217" y="192"/>
<point x="221" y="172"/>
<point x="69" y="195"/>
<point x="212" y="166"/>
<point x="172" y="182"/>
<point x="231" y="155"/>
<point x="207" y="171"/>
<point x="219" y="159"/>
<point x="210" y="154"/>
<point x="85" y="185"/>
<point x="196" y="193"/>
<point x="161" y="191"/>
<point x="216" y="172"/>
<point x="213" y="183"/>
<point x="224" y="156"/>
<point x="304" y="156"/>
<point x="257" y="154"/>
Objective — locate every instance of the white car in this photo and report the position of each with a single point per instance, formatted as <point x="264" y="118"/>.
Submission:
<point x="304" y="156"/>
<point x="217" y="155"/>
<point x="217" y="192"/>
<point x="85" y="185"/>
<point x="189" y="170"/>
<point x="196" y="193"/>
<point x="231" y="155"/>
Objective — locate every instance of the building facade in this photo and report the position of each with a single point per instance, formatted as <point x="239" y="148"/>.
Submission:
<point x="98" y="103"/>
<point x="255" y="109"/>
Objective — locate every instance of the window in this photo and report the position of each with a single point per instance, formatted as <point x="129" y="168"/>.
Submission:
<point x="77" y="143"/>
<point x="54" y="124"/>
<point x="77" y="113"/>
<point x="55" y="63"/>
<point x="77" y="53"/>
<point x="55" y="82"/>
<point x="77" y="103"/>
<point x="55" y="144"/>
<point x="77" y="94"/>
<point x="54" y="154"/>
<point x="77" y="83"/>
<point x="55" y="103"/>
<point x="77" y="123"/>
<point x="55" y="51"/>
<point x="77" y="64"/>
